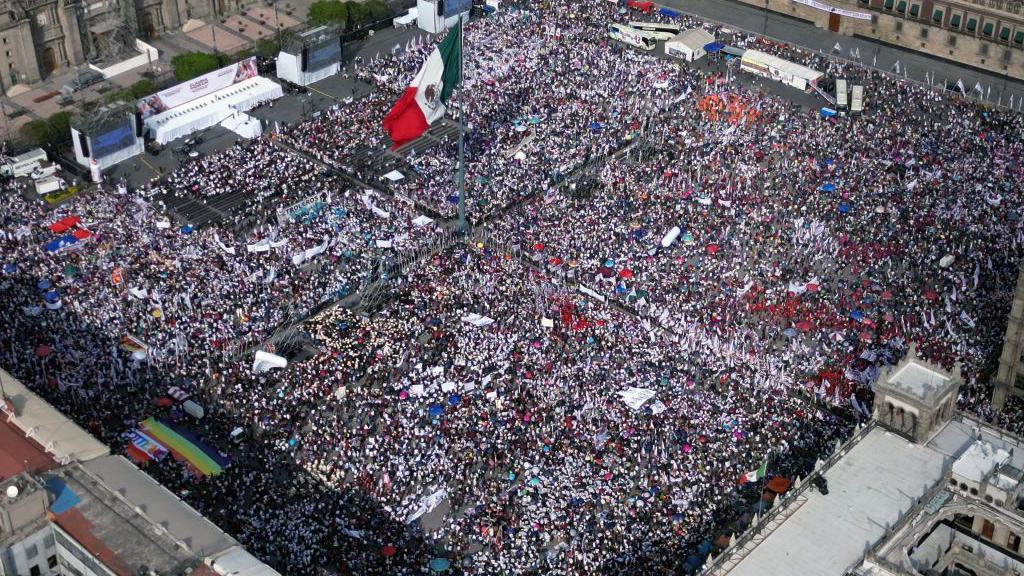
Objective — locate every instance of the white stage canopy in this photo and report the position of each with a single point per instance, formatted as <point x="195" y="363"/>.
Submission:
<point x="212" y="109"/>
<point x="244" y="125"/>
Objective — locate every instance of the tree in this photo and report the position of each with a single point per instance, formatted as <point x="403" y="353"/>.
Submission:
<point x="357" y="12"/>
<point x="60" y="127"/>
<point x="142" y="88"/>
<point x="191" y="64"/>
<point x="378" y="10"/>
<point x="36" y="133"/>
<point x="327" y="12"/>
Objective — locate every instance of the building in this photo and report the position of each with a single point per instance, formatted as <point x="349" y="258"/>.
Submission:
<point x="41" y="37"/>
<point x="67" y="506"/>
<point x="921" y="490"/>
<point x="1009" y="379"/>
<point x="984" y="34"/>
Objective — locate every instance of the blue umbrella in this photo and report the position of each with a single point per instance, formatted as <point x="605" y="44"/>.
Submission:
<point x="535" y="481"/>
<point x="44" y="284"/>
<point x="789" y="332"/>
<point x="454" y="399"/>
<point x="704" y="548"/>
<point x="609" y="262"/>
<point x="828" y="187"/>
<point x="439" y="564"/>
<point x="435" y="410"/>
<point x="677" y="518"/>
<point x="844" y="207"/>
<point x="9" y="268"/>
<point x="186" y="229"/>
<point x="857" y="315"/>
<point x="51" y="296"/>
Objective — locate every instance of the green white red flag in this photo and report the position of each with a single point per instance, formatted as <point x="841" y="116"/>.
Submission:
<point x="423" y="102"/>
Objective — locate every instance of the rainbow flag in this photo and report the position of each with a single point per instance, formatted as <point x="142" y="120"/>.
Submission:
<point x="186" y="446"/>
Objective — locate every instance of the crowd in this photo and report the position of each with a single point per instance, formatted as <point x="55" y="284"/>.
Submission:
<point x="746" y="275"/>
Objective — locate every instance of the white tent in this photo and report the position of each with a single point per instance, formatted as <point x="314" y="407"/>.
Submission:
<point x="778" y="69"/>
<point x="689" y="44"/>
<point x="212" y="109"/>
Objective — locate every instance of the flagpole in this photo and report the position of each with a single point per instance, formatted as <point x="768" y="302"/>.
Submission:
<point x="462" y="228"/>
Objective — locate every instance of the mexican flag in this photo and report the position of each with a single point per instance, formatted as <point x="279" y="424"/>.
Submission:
<point x="423" y="102"/>
<point x="756" y="475"/>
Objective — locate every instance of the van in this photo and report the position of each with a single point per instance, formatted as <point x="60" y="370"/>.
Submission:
<point x="857" y="100"/>
<point x="841" y="94"/>
<point x="49" y="184"/>
<point x="23" y="164"/>
<point x="81" y="81"/>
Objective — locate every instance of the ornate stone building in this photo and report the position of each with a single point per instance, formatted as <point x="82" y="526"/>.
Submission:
<point x="986" y="34"/>
<point x="1010" y="377"/>
<point x="41" y="37"/>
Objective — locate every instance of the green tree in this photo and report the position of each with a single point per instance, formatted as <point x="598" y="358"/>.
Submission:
<point x="37" y="133"/>
<point x="327" y="12"/>
<point x="191" y="64"/>
<point x="378" y="10"/>
<point x="124" y="95"/>
<point x="142" y="88"/>
<point x="357" y="12"/>
<point x="60" y="127"/>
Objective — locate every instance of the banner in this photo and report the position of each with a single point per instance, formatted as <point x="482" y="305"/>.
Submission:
<point x="635" y="397"/>
<point x="834" y="10"/>
<point x="197" y="87"/>
<point x="146" y="447"/>
<point x="265" y="361"/>
<point x="427" y="504"/>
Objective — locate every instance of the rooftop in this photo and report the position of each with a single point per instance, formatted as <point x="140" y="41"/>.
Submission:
<point x="980" y="460"/>
<point x="917" y="378"/>
<point x="869" y="488"/>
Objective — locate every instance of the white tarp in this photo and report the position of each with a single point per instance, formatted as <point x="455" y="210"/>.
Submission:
<point x="427" y="504"/>
<point x="635" y="397"/>
<point x="421" y="221"/>
<point x="265" y="361"/>
<point x="394" y="176"/>
<point x="477" y="320"/>
<point x="193" y="409"/>
<point x="689" y="44"/>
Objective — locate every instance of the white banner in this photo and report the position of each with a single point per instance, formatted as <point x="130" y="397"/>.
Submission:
<point x="427" y="504"/>
<point x="834" y="10"/>
<point x="197" y="87"/>
<point x="591" y="293"/>
<point x="635" y="397"/>
<point x="477" y="320"/>
<point x="265" y="361"/>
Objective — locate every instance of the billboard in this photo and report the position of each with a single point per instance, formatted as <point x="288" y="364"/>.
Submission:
<point x="455" y="7"/>
<point x="197" y="87"/>
<point x="323" y="55"/>
<point x="111" y="139"/>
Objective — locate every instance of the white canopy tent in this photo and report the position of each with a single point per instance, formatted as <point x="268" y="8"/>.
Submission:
<point x="689" y="44"/>
<point x="212" y="109"/>
<point x="244" y="125"/>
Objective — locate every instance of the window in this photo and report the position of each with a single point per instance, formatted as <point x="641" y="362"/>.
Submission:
<point x="963" y="486"/>
<point x="888" y="4"/>
<point x="1018" y="38"/>
<point x="937" y="16"/>
<point x="31" y="551"/>
<point x="951" y="40"/>
<point x="924" y="31"/>
<point x="952" y="482"/>
<point x="974" y="491"/>
<point x="915" y="10"/>
<point x="902" y="6"/>
<point x="48" y="541"/>
<point x="954" y="22"/>
<point x="1007" y="55"/>
<point x="983" y="49"/>
<point x="35" y="571"/>
<point x="972" y="24"/>
<point x="899" y="25"/>
<point x="1004" y="34"/>
<point x="988" y="498"/>
<point x="1013" y="542"/>
<point x="52" y="561"/>
<point x="987" y="29"/>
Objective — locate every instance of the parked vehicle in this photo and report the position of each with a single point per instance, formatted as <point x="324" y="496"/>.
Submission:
<point x="81" y="81"/>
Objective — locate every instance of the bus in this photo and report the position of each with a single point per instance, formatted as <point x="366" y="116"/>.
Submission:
<point x="840" y="94"/>
<point x="631" y="36"/>
<point x="670" y="29"/>
<point x="857" y="100"/>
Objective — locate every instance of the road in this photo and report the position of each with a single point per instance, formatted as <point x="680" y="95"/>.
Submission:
<point x="797" y="32"/>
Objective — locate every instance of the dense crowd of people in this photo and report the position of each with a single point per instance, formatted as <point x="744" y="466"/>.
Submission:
<point x="659" y="298"/>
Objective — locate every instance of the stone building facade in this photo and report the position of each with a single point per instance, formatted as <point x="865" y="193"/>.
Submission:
<point x="41" y="37"/>
<point x="1010" y="377"/>
<point x="985" y="34"/>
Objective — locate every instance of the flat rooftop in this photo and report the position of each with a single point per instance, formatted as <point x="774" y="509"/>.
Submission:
<point x="20" y="454"/>
<point x="869" y="488"/>
<point x="917" y="378"/>
<point x="113" y="531"/>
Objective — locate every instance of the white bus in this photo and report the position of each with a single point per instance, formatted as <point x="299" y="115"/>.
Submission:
<point x="857" y="100"/>
<point x="672" y="29"/>
<point x="24" y="164"/>
<point x="631" y="36"/>
<point x="840" y="94"/>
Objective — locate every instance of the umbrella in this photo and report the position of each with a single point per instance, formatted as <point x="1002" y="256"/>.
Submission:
<point x="789" y="332"/>
<point x="947" y="260"/>
<point x="857" y="315"/>
<point x="687" y="238"/>
<point x="51" y="296"/>
<point x="81" y="234"/>
<point x="186" y="229"/>
<point x="70" y="271"/>
<point x="9" y="268"/>
<point x="625" y="273"/>
<point x="435" y="410"/>
<point x="403" y="395"/>
<point x="828" y="187"/>
<point x="866" y="336"/>
<point x="388" y="551"/>
<point x="163" y="401"/>
<point x="43" y="350"/>
<point x="931" y="295"/>
<point x="1013" y="216"/>
<point x="886" y="295"/>
<point x="44" y="284"/>
<point x="811" y="287"/>
<point x="606" y="271"/>
<point x="454" y="399"/>
<point x="538" y="246"/>
<point x="713" y="248"/>
<point x="535" y="481"/>
<point x="439" y="564"/>
<point x="843" y="208"/>
<point x="555" y="261"/>
<point x="609" y="262"/>
<point x="804" y="326"/>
